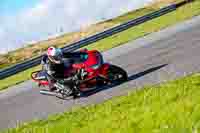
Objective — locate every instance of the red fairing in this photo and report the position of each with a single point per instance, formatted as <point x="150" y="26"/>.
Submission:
<point x="104" y="69"/>
<point x="91" y="60"/>
<point x="93" y="63"/>
<point x="78" y="66"/>
<point x="44" y="83"/>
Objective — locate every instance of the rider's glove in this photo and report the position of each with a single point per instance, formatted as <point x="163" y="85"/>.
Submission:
<point x="83" y="74"/>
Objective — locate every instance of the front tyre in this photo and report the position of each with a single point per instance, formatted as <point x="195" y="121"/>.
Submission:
<point x="117" y="74"/>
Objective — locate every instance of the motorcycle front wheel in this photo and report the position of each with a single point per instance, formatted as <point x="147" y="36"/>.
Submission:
<point x="117" y="74"/>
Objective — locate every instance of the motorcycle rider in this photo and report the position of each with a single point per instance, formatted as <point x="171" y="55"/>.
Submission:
<point x="55" y="65"/>
<point x="56" y="62"/>
<point x="59" y="66"/>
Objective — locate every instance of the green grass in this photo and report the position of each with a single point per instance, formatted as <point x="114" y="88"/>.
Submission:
<point x="172" y="107"/>
<point x="18" y="78"/>
<point x="183" y="13"/>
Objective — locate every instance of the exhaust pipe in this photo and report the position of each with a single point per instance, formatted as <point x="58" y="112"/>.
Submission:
<point x="45" y="92"/>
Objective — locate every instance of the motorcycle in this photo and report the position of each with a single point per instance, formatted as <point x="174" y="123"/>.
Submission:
<point x="91" y="73"/>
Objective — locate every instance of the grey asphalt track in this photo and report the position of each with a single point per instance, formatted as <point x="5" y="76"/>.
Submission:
<point x="166" y="55"/>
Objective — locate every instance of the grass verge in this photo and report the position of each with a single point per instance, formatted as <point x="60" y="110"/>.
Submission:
<point x="170" y="107"/>
<point x="181" y="14"/>
<point x="18" y="78"/>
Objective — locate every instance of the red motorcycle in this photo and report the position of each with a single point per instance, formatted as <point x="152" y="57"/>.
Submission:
<point x="90" y="73"/>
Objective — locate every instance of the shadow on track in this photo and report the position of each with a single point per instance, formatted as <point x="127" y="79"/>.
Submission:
<point x="130" y="78"/>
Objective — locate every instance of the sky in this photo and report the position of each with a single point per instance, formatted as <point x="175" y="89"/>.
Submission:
<point x="27" y="21"/>
<point x="10" y="6"/>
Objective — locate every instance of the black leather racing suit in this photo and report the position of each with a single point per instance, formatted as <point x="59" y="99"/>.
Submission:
<point x="56" y="71"/>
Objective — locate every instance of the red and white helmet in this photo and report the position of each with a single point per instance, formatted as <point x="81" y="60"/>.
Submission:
<point x="54" y="54"/>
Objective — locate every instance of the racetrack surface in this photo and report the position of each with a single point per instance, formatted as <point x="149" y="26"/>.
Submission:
<point x="158" y="57"/>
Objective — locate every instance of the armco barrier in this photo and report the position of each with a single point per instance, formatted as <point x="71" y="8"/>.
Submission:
<point x="74" y="46"/>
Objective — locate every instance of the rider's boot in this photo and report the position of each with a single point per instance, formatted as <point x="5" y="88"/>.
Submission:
<point x="76" y="93"/>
